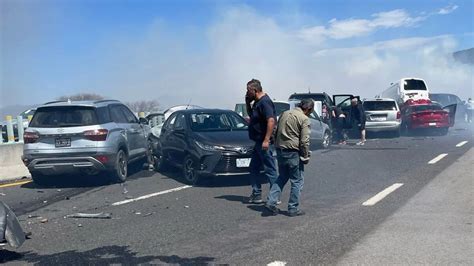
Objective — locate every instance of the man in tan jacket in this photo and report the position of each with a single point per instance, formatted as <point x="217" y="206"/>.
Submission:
<point x="292" y="144"/>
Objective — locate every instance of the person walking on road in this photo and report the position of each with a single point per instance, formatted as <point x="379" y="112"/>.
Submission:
<point x="292" y="143"/>
<point x="261" y="127"/>
<point x="358" y="116"/>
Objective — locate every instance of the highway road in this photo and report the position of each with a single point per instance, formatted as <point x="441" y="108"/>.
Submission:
<point x="352" y="195"/>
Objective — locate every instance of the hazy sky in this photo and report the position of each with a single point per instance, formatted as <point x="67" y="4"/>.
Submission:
<point x="206" y="51"/>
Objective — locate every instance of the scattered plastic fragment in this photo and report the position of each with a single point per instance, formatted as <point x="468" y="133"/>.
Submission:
<point x="100" y="215"/>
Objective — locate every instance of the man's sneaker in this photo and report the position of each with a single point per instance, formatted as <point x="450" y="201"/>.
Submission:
<point x="255" y="199"/>
<point x="296" y="213"/>
<point x="273" y="210"/>
<point x="278" y="202"/>
<point x="342" y="142"/>
<point x="360" y="143"/>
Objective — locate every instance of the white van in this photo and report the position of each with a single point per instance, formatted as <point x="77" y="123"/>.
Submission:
<point x="406" y="89"/>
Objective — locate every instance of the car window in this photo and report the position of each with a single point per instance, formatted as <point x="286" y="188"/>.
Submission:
<point x="131" y="118"/>
<point x="117" y="115"/>
<point x="170" y="122"/>
<point x="64" y="116"/>
<point x="414" y="84"/>
<point x="180" y="122"/>
<point x="103" y="115"/>
<point x="281" y="107"/>
<point x="380" y="106"/>
<point x="314" y="115"/>
<point x="217" y="122"/>
<point x="421" y="108"/>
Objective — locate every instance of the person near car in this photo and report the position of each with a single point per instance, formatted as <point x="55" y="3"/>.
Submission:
<point x="339" y="117"/>
<point x="358" y="116"/>
<point x="469" y="109"/>
<point x="262" y="114"/>
<point x="292" y="144"/>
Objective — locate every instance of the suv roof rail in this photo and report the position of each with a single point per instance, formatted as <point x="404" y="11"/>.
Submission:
<point x="103" y="101"/>
<point x="59" y="101"/>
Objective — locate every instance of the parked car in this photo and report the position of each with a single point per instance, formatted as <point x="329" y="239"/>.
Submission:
<point x="86" y="137"/>
<point x="205" y="142"/>
<point x="321" y="96"/>
<point x="321" y="134"/>
<point x="383" y="115"/>
<point x="429" y="115"/>
<point x="25" y="114"/>
<point x="445" y="99"/>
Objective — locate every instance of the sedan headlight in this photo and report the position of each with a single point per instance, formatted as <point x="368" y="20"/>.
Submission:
<point x="207" y="147"/>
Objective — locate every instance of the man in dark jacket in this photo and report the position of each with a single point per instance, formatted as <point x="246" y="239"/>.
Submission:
<point x="358" y="116"/>
<point x="262" y="124"/>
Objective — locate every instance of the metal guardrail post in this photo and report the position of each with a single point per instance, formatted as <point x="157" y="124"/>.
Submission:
<point x="21" y="129"/>
<point x="10" y="133"/>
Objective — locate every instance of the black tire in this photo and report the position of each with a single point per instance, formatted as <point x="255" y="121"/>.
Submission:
<point x="40" y="179"/>
<point x="326" y="142"/>
<point x="120" y="171"/>
<point x="190" y="173"/>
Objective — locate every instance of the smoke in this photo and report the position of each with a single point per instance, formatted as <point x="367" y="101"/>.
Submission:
<point x="241" y="45"/>
<point x="211" y="67"/>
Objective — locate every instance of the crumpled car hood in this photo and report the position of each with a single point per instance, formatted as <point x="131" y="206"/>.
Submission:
<point x="10" y="228"/>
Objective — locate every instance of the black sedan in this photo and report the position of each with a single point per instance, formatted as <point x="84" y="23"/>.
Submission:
<point x="205" y="142"/>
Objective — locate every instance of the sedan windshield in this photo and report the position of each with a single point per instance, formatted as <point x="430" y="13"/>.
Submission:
<point x="211" y="121"/>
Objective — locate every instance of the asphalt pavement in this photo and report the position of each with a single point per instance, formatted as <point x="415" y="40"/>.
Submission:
<point x="351" y="193"/>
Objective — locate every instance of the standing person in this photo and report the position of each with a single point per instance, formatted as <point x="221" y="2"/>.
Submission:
<point x="262" y="124"/>
<point x="358" y="116"/>
<point x="292" y="143"/>
<point x="469" y="110"/>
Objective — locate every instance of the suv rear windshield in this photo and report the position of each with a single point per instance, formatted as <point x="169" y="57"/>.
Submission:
<point x="414" y="85"/>
<point x="380" y="106"/>
<point x="314" y="96"/>
<point x="64" y="116"/>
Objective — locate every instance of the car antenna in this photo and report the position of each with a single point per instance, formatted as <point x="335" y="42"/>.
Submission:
<point x="189" y="103"/>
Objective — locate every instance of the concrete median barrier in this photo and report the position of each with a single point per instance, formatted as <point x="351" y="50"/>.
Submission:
<point x="11" y="166"/>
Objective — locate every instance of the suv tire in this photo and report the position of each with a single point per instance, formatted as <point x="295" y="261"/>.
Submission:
<point x="120" y="171"/>
<point x="326" y="142"/>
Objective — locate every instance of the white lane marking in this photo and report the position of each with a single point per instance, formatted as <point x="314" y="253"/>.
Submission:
<point x="277" y="263"/>
<point x="150" y="195"/>
<point x="372" y="201"/>
<point x="438" y="158"/>
<point x="460" y="144"/>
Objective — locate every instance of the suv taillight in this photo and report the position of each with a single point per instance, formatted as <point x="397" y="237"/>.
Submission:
<point x="30" y="137"/>
<point x="399" y="115"/>
<point x="96" y="135"/>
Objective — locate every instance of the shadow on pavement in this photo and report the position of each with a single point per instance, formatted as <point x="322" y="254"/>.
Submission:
<point x="261" y="208"/>
<point x="210" y="181"/>
<point x="99" y="256"/>
<point x="87" y="181"/>
<point x="234" y="198"/>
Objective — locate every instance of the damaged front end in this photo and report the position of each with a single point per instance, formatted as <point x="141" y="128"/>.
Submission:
<point x="11" y="232"/>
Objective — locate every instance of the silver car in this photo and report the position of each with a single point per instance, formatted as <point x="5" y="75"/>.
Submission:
<point x="383" y="115"/>
<point x="320" y="131"/>
<point x="86" y="137"/>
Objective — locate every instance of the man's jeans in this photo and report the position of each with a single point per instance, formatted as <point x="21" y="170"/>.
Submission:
<point x="290" y="168"/>
<point x="262" y="159"/>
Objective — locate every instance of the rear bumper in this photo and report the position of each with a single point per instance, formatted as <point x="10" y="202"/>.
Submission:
<point x="49" y="165"/>
<point x="381" y="126"/>
<point x="429" y="125"/>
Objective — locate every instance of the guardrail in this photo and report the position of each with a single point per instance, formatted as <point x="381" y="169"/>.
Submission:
<point x="8" y="129"/>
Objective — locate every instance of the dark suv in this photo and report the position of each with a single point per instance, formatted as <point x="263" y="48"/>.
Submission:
<point x="87" y="137"/>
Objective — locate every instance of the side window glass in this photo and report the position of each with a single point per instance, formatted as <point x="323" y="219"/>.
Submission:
<point x="129" y="115"/>
<point x="170" y="122"/>
<point x="180" y="122"/>
<point x="117" y="115"/>
<point x="103" y="115"/>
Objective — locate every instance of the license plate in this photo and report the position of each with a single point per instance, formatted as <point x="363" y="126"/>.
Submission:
<point x="379" y="118"/>
<point x="243" y="162"/>
<point x="432" y="124"/>
<point x="63" y="142"/>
